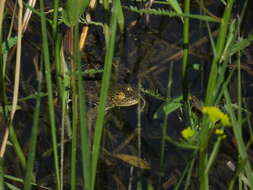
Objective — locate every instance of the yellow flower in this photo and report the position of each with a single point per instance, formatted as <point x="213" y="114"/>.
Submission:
<point x="225" y="120"/>
<point x="215" y="114"/>
<point x="219" y="132"/>
<point x="187" y="133"/>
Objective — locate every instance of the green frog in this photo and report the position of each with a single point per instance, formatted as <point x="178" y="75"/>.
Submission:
<point x="122" y="96"/>
<point x="119" y="95"/>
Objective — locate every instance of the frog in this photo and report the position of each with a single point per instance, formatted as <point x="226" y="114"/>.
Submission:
<point x="122" y="95"/>
<point x="119" y="95"/>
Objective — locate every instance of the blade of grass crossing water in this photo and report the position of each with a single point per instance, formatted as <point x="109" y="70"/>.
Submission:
<point x="185" y="60"/>
<point x="73" y="150"/>
<point x="2" y="173"/>
<point x="211" y="95"/>
<point x="237" y="130"/>
<point x="203" y="154"/>
<point x="2" y="6"/>
<point x="33" y="142"/>
<point x="243" y="148"/>
<point x="55" y="19"/>
<point x="70" y="82"/>
<point x="60" y="70"/>
<point x="13" y="136"/>
<point x="220" y="42"/>
<point x="74" y="107"/>
<point x="62" y="87"/>
<point x="50" y="93"/>
<point x="165" y="126"/>
<point x="74" y="131"/>
<point x="74" y="121"/>
<point x="2" y="72"/>
<point x="17" y="146"/>
<point x="104" y="89"/>
<point x="185" y="50"/>
<point x="2" y="88"/>
<point x="213" y="155"/>
<point x="190" y="165"/>
<point x="86" y="163"/>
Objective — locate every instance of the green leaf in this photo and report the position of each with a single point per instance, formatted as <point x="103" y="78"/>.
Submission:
<point x="241" y="44"/>
<point x="11" y="187"/>
<point x="181" y="144"/>
<point x="72" y="11"/>
<point x="175" y="5"/>
<point x="120" y="18"/>
<point x="8" y="108"/>
<point x="164" y="12"/>
<point x="168" y="107"/>
<point x="9" y="44"/>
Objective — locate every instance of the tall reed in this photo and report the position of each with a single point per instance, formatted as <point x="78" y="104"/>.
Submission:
<point x="104" y="89"/>
<point x="46" y="56"/>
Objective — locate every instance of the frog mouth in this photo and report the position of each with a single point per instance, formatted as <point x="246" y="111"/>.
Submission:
<point x="133" y="102"/>
<point x="129" y="103"/>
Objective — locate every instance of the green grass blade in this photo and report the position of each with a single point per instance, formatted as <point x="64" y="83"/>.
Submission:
<point x="164" y="12"/>
<point x="73" y="155"/>
<point x="121" y="19"/>
<point x="74" y="133"/>
<point x="104" y="91"/>
<point x="50" y="93"/>
<point x="2" y="173"/>
<point x="185" y="61"/>
<point x="74" y="119"/>
<point x="13" y="136"/>
<point x="165" y="127"/>
<point x="237" y="130"/>
<point x="241" y="44"/>
<point x="33" y="142"/>
<point x="175" y="5"/>
<point x="55" y="19"/>
<point x="213" y="155"/>
<point x="11" y="187"/>
<point x="17" y="147"/>
<point x="220" y="42"/>
<point x="182" y="145"/>
<point x="85" y="141"/>
<point x="72" y="11"/>
<point x="2" y="6"/>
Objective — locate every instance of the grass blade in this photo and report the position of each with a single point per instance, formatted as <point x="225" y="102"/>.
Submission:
<point x="33" y="142"/>
<point x="50" y="92"/>
<point x="104" y="90"/>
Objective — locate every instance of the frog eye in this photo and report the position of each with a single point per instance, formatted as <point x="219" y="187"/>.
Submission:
<point x="120" y="95"/>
